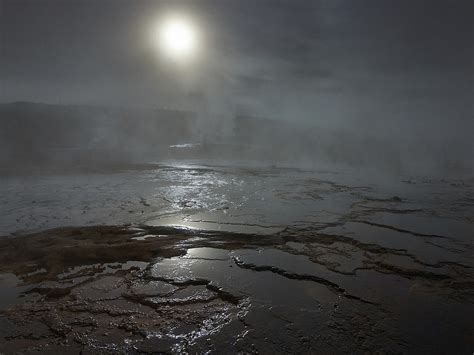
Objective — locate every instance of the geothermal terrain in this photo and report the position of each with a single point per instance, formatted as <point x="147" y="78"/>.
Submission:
<point x="186" y="245"/>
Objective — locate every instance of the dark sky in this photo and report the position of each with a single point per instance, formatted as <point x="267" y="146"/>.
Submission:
<point x="369" y="62"/>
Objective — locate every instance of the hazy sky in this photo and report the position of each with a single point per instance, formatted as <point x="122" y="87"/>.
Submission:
<point x="370" y="62"/>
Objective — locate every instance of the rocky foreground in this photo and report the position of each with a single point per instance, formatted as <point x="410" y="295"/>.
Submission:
<point x="140" y="289"/>
<point x="191" y="259"/>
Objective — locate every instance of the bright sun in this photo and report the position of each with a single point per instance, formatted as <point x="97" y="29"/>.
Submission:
<point x="178" y="38"/>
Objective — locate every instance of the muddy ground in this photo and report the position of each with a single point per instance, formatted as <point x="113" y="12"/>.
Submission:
<point x="236" y="261"/>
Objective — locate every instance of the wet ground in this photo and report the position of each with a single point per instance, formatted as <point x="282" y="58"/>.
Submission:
<point x="187" y="258"/>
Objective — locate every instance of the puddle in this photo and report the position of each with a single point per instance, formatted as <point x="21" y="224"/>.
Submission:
<point x="235" y="260"/>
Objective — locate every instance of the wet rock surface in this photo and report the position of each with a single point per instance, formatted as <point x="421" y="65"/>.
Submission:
<point x="331" y="267"/>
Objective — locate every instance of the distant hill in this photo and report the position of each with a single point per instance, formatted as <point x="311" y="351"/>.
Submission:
<point x="41" y="133"/>
<point x="35" y="134"/>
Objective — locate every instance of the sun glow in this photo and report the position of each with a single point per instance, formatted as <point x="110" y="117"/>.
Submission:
<point x="177" y="38"/>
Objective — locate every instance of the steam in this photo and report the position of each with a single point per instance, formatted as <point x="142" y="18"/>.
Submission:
<point x="337" y="83"/>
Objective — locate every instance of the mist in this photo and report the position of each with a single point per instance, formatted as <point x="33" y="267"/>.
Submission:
<point x="380" y="85"/>
<point x="236" y="176"/>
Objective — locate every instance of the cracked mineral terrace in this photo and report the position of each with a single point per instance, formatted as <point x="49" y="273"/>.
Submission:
<point x="187" y="259"/>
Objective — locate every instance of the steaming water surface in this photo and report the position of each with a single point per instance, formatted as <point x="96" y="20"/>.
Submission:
<point x="228" y="198"/>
